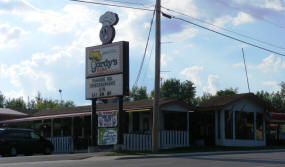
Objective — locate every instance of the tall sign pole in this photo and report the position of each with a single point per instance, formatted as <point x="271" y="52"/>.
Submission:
<point x="107" y="76"/>
<point x="155" y="125"/>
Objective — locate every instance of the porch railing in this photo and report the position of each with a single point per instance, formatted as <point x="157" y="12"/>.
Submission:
<point x="166" y="140"/>
<point x="62" y="144"/>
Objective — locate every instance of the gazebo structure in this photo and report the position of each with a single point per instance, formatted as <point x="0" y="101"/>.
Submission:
<point x="237" y="120"/>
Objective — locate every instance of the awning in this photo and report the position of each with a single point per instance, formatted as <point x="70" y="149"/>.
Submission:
<point x="46" y="117"/>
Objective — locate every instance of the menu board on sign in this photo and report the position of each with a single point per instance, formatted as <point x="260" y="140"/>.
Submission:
<point x="107" y="119"/>
<point x="105" y="86"/>
<point x="107" y="136"/>
<point x="104" y="59"/>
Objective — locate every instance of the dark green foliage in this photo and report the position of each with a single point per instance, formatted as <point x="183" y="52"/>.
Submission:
<point x="275" y="99"/>
<point x="37" y="103"/>
<point x="2" y="100"/>
<point x="205" y="97"/>
<point x="226" y="92"/>
<point x="139" y="93"/>
<point x="16" y="103"/>
<point x="173" y="88"/>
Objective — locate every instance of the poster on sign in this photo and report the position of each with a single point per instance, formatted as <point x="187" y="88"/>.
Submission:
<point x="104" y="86"/>
<point x="107" y="59"/>
<point x="107" y="136"/>
<point x="107" y="119"/>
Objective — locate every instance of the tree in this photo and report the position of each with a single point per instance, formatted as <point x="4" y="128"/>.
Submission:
<point x="16" y="103"/>
<point x="226" y="92"/>
<point x="139" y="93"/>
<point x="188" y="91"/>
<point x="282" y="84"/>
<point x="173" y="88"/>
<point x="205" y="97"/>
<point x="2" y="100"/>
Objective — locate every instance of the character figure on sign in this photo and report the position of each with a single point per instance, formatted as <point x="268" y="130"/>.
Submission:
<point x="107" y="32"/>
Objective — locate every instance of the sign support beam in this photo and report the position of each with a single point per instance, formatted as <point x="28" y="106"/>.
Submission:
<point x="94" y="124"/>
<point x="120" y="121"/>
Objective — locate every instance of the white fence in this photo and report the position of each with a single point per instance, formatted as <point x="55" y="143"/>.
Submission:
<point x="62" y="144"/>
<point x="166" y="140"/>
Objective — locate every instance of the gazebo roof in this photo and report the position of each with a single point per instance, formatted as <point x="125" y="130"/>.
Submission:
<point x="220" y="102"/>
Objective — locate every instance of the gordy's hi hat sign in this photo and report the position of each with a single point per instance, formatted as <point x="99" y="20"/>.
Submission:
<point x="107" y="65"/>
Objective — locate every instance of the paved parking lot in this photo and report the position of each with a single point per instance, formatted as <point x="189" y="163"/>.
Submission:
<point x="257" y="159"/>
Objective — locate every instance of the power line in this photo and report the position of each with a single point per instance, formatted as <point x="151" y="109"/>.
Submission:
<point x="142" y="62"/>
<point x="228" y="30"/>
<point x="129" y="3"/>
<point x="228" y="36"/>
<point x="147" y="65"/>
<point x="107" y="4"/>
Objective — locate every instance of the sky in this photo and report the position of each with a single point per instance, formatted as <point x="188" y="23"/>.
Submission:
<point x="42" y="45"/>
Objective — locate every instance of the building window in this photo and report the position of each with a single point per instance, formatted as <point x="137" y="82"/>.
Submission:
<point x="244" y="125"/>
<point x="259" y="126"/>
<point x="229" y="124"/>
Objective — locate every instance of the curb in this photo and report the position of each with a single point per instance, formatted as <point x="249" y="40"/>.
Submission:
<point x="199" y="154"/>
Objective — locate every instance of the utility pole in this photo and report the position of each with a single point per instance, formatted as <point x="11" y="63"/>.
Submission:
<point x="155" y="125"/>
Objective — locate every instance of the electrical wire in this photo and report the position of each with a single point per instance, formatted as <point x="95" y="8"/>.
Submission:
<point x="107" y="4"/>
<point x="142" y="62"/>
<point x="228" y="30"/>
<point x="228" y="36"/>
<point x="145" y="73"/>
<point x="129" y="3"/>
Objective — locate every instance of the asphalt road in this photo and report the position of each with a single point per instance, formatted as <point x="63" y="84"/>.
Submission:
<point x="271" y="159"/>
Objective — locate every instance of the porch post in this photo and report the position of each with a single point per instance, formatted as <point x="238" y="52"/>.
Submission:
<point x="131" y="119"/>
<point x="83" y="126"/>
<point x="72" y="126"/>
<point x="234" y="125"/>
<point x="254" y="125"/>
<point x="42" y="132"/>
<point x="188" y="142"/>
<point x="216" y="127"/>
<point x="264" y="130"/>
<point x="222" y="119"/>
<point x="51" y="127"/>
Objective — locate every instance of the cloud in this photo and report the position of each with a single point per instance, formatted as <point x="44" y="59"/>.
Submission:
<point x="222" y="21"/>
<point x="165" y="59"/>
<point x="15" y="6"/>
<point x="213" y="83"/>
<point x="26" y="72"/>
<point x="193" y="74"/>
<point x="10" y="35"/>
<point x="15" y="94"/>
<point x="187" y="33"/>
<point x="238" y="65"/>
<point x="270" y="64"/>
<point x="242" y="18"/>
<point x="188" y="7"/>
<point x="71" y="18"/>
<point x="268" y="4"/>
<point x="272" y="84"/>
